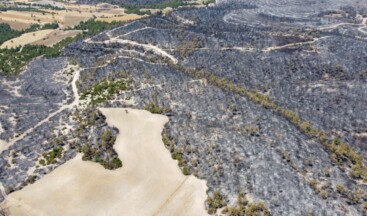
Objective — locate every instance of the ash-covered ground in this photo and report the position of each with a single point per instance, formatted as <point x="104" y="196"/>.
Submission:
<point x="308" y="57"/>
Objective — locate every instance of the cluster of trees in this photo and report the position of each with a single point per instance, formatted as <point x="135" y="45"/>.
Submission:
<point x="154" y="108"/>
<point x="14" y="59"/>
<point x="217" y="201"/>
<point x="176" y="153"/>
<point x="44" y="6"/>
<point x="50" y="26"/>
<point x="92" y="26"/>
<point x="104" y="152"/>
<point x="99" y="150"/>
<point x="104" y="91"/>
<point x="325" y="190"/>
<point x="340" y="153"/>
<point x="136" y="9"/>
<point x="2" y="8"/>
<point x="52" y="156"/>
<point x="6" y="32"/>
<point x="30" y="7"/>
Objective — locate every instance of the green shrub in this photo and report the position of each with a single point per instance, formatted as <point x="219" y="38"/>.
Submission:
<point x="341" y="189"/>
<point x="104" y="90"/>
<point x="216" y="201"/>
<point x="340" y="153"/>
<point x="42" y="162"/>
<point x="257" y="209"/>
<point x="52" y="156"/>
<point x="153" y="108"/>
<point x="359" y="171"/>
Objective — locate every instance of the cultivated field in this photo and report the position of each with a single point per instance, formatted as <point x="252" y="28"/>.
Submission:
<point x="149" y="183"/>
<point x="47" y="37"/>
<point x="56" y="36"/>
<point x="71" y="16"/>
<point x="27" y="38"/>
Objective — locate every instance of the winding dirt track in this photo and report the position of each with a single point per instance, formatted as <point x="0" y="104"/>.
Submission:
<point x="67" y="106"/>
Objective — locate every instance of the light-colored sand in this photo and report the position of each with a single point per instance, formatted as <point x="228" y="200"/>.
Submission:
<point x="149" y="183"/>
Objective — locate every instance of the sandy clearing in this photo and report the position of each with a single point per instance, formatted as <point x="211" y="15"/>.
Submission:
<point x="27" y="38"/>
<point x="56" y="36"/>
<point x="360" y="135"/>
<point x="2" y="142"/>
<point x="149" y="183"/>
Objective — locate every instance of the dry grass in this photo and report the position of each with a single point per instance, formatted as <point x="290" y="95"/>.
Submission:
<point x="28" y="17"/>
<point x="129" y="17"/>
<point x="56" y="36"/>
<point x="16" y="25"/>
<point x="26" y="39"/>
<point x="72" y="16"/>
<point x="47" y="37"/>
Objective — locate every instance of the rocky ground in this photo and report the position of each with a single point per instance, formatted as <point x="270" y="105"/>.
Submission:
<point x="308" y="57"/>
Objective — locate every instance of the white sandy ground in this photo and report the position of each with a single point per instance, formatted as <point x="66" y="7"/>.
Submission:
<point x="1" y="129"/>
<point x="149" y="183"/>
